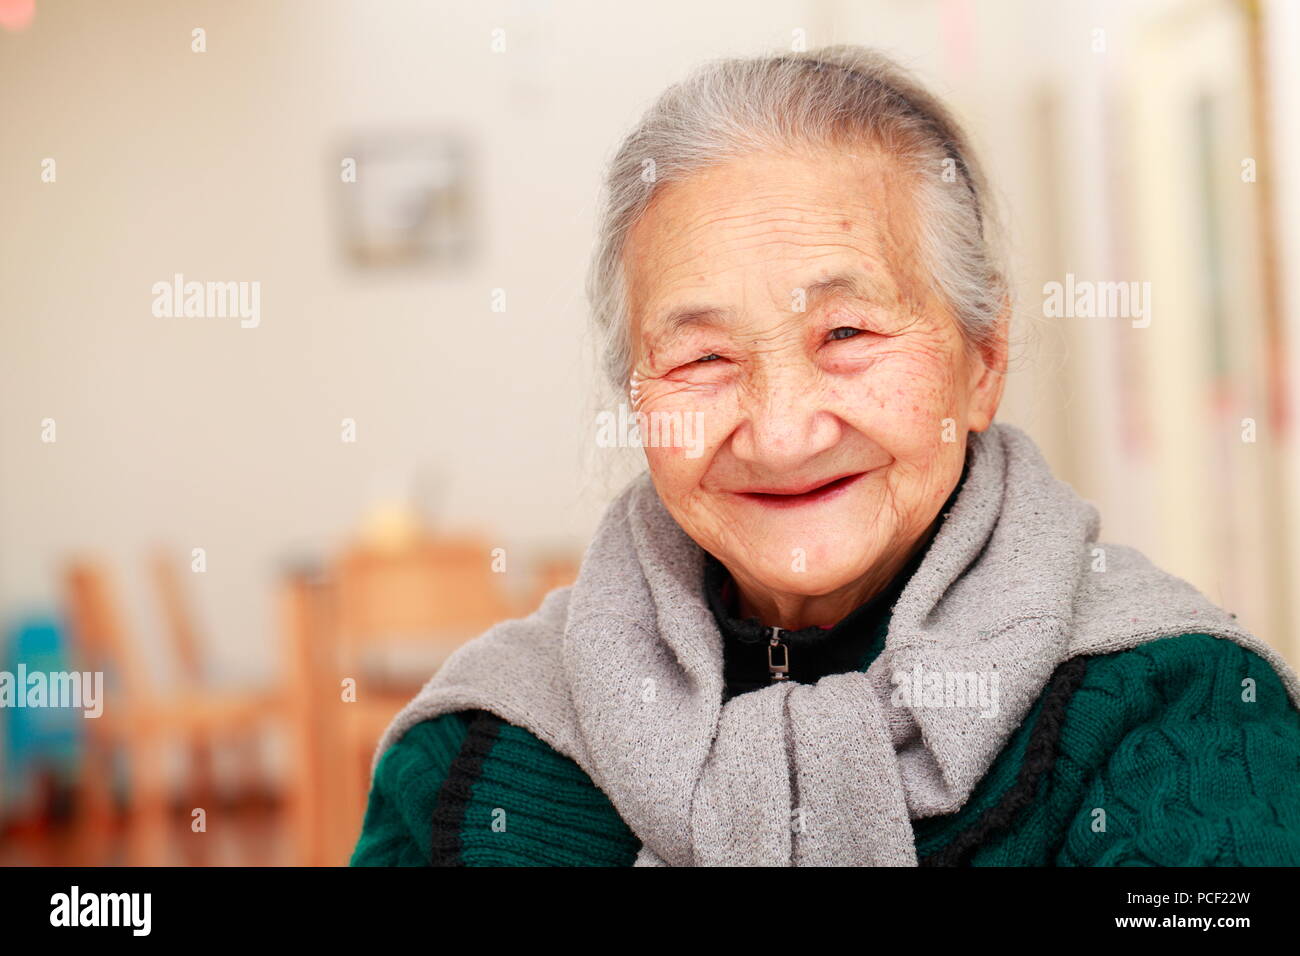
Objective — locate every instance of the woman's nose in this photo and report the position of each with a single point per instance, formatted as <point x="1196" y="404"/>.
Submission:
<point x="785" y="420"/>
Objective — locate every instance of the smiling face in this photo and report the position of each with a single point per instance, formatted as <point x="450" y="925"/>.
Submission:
<point x="779" y="301"/>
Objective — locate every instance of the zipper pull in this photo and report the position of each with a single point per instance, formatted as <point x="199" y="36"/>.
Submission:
<point x="778" y="657"/>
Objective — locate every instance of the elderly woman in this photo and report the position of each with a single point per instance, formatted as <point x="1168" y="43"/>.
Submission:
<point x="857" y="621"/>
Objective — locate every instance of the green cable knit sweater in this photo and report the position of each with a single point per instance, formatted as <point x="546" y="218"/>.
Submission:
<point x="1180" y="752"/>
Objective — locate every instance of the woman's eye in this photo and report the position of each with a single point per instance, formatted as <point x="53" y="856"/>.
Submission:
<point x="707" y="359"/>
<point x="844" y="332"/>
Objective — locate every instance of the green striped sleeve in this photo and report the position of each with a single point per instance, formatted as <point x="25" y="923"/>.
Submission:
<point x="472" y="790"/>
<point x="398" y="825"/>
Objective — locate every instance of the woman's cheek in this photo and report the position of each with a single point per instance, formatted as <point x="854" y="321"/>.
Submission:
<point x="703" y="414"/>
<point x="674" y="433"/>
<point x="901" y="407"/>
<point x="677" y="475"/>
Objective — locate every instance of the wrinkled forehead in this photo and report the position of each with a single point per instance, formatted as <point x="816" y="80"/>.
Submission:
<point x="765" y="232"/>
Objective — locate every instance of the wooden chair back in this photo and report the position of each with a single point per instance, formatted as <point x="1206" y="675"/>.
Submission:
<point x="97" y="628"/>
<point x="178" y="619"/>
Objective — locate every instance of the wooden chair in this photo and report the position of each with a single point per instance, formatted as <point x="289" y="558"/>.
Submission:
<point x="430" y="595"/>
<point x="141" y="719"/>
<point x="311" y="666"/>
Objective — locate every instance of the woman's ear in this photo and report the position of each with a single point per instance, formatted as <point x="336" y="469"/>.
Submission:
<point x="988" y="362"/>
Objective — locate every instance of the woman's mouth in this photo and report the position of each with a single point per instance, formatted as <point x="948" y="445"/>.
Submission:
<point x="795" y="498"/>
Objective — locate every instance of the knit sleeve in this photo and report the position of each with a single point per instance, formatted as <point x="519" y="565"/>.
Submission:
<point x="398" y="825"/>
<point x="470" y="789"/>
<point x="513" y="800"/>
<point x="1197" y="760"/>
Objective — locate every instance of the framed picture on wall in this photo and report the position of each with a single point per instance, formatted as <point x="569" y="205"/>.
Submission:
<point x="405" y="200"/>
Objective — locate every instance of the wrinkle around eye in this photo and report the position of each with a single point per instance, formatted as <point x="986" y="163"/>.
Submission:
<point x="700" y="373"/>
<point x="705" y="360"/>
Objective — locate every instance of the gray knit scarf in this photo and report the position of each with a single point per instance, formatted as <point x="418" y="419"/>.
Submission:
<point x="622" y="673"/>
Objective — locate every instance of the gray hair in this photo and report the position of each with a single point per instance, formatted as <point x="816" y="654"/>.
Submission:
<point x="831" y="96"/>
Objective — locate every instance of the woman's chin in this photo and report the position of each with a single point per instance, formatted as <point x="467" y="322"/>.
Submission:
<point x="809" y="575"/>
<point x="839" y="543"/>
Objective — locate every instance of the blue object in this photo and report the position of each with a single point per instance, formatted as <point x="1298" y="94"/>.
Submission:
<point x="37" y="738"/>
